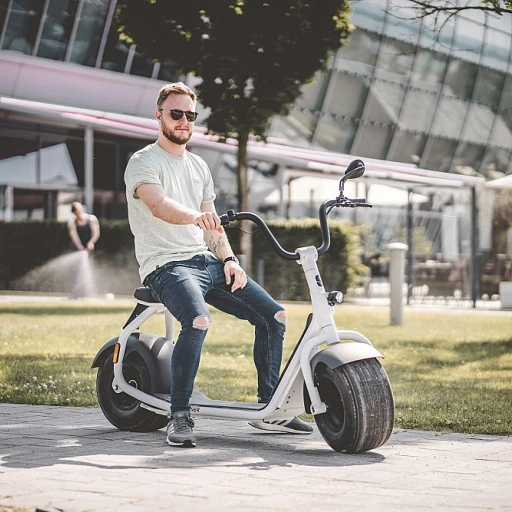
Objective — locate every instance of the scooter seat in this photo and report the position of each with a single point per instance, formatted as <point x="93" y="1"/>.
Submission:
<point x="144" y="294"/>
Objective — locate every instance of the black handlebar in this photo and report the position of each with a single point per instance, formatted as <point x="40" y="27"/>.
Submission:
<point x="341" y="201"/>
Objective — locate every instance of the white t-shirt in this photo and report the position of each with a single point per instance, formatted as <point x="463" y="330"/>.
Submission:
<point x="187" y="180"/>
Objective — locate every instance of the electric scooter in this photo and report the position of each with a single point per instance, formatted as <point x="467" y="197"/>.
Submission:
<point x="332" y="374"/>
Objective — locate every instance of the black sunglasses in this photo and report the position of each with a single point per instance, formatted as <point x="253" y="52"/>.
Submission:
<point x="177" y="114"/>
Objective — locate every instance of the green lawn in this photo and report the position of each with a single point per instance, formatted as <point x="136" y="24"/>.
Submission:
<point x="449" y="370"/>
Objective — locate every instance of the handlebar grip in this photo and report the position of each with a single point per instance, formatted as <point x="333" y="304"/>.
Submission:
<point x="359" y="200"/>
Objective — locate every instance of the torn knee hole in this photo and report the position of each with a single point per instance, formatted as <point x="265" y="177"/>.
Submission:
<point x="201" y="322"/>
<point x="281" y="316"/>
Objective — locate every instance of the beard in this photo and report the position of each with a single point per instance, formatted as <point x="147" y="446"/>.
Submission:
<point x="180" y="138"/>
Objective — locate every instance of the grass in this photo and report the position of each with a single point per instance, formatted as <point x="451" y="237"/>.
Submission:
<point x="450" y="371"/>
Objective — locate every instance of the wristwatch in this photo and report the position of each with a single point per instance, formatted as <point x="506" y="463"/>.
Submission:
<point x="232" y="258"/>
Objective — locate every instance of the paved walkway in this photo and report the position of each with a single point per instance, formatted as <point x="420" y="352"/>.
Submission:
<point x="71" y="459"/>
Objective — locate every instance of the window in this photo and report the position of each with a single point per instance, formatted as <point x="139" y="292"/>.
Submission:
<point x="438" y="154"/>
<point x="460" y="79"/>
<point x="57" y="28"/>
<point x="406" y="147"/>
<point x="467" y="158"/>
<point x="89" y="32"/>
<point x="335" y="134"/>
<point x="22" y="26"/>
<point x="488" y="87"/>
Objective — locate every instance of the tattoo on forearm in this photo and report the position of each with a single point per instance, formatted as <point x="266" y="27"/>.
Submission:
<point x="216" y="245"/>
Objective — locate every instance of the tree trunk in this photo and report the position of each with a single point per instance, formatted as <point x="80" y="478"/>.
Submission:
<point x="243" y="201"/>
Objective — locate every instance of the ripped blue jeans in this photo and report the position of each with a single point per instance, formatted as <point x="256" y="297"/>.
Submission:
<point x="185" y="288"/>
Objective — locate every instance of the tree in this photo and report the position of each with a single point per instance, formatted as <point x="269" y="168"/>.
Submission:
<point x="443" y="10"/>
<point x="252" y="56"/>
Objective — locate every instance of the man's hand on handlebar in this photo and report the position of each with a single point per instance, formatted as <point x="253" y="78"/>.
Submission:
<point x="235" y="275"/>
<point x="208" y="221"/>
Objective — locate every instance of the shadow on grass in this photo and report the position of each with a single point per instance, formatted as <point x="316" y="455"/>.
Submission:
<point x="479" y="350"/>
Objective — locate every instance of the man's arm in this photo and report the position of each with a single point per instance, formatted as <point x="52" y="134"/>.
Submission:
<point x="218" y="243"/>
<point x="95" y="232"/>
<point x="171" y="211"/>
<point x="73" y="234"/>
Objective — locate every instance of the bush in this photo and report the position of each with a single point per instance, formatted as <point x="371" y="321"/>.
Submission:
<point x="29" y="247"/>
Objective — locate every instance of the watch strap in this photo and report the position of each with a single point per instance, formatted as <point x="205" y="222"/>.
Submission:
<point x="231" y="258"/>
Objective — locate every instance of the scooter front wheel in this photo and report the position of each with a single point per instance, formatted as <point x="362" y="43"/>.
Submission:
<point x="122" y="410"/>
<point x="360" y="405"/>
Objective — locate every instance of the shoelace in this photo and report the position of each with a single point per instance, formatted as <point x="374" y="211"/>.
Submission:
<point x="183" y="424"/>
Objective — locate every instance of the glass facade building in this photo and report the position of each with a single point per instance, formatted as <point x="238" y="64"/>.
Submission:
<point x="76" y="31"/>
<point x="406" y="91"/>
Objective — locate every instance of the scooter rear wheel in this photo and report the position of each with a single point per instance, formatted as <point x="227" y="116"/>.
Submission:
<point x="360" y="405"/>
<point x="122" y="410"/>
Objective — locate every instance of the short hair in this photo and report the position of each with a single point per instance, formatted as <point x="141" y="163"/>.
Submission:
<point x="174" y="88"/>
<point x="75" y="206"/>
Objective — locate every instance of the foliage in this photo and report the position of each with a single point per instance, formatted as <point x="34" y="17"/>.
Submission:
<point x="35" y="249"/>
<point x="340" y="267"/>
<point x="449" y="370"/>
<point x="246" y="53"/>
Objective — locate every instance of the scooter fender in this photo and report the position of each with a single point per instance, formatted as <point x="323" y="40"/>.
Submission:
<point x="344" y="353"/>
<point x="156" y="352"/>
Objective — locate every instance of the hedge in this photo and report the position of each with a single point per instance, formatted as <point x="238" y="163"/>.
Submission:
<point x="35" y="256"/>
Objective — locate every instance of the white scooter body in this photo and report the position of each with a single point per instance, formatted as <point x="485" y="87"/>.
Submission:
<point x="287" y="400"/>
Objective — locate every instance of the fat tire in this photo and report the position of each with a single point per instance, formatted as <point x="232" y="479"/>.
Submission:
<point x="360" y="405"/>
<point x="123" y="411"/>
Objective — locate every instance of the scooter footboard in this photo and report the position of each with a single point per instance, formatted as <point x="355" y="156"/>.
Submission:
<point x="344" y="353"/>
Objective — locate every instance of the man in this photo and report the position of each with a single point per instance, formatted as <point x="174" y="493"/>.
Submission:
<point x="83" y="228"/>
<point x="84" y="232"/>
<point x="187" y="262"/>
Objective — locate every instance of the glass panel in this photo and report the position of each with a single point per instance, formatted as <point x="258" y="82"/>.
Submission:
<point x="3" y="13"/>
<point x="383" y="103"/>
<point x="406" y="147"/>
<point x="449" y="118"/>
<point x="313" y="94"/>
<point x="488" y="87"/>
<point x="168" y="72"/>
<point x="467" y="158"/>
<point x="23" y="25"/>
<point x="460" y="79"/>
<point x="468" y="40"/>
<point x="496" y="49"/>
<point x="498" y="22"/>
<point x="438" y="154"/>
<point x="373" y="141"/>
<point x="116" y="53"/>
<point x="142" y="65"/>
<point x="395" y="57"/>
<point x="57" y="28"/>
<point x="362" y="47"/>
<point x="496" y="163"/>
<point x="335" y="134"/>
<point x="346" y="95"/>
<point x="89" y="32"/>
<point x="429" y="67"/>
<point x="501" y="135"/>
<point x="478" y="124"/>
<point x="369" y="14"/>
<point x="417" y="111"/>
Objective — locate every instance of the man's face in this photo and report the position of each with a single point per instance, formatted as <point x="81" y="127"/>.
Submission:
<point x="178" y="132"/>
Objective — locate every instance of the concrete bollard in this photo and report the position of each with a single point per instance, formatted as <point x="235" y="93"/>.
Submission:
<point x="397" y="252"/>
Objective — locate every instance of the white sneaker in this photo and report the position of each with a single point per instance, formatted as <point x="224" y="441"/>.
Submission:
<point x="291" y="426"/>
